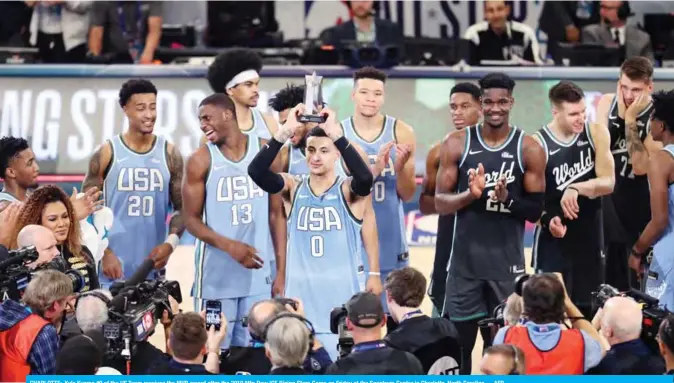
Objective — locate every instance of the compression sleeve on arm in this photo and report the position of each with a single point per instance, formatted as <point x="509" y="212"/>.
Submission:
<point x="362" y="176"/>
<point x="529" y="207"/>
<point x="259" y="170"/>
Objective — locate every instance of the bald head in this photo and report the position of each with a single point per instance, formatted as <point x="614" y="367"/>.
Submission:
<point x="44" y="241"/>
<point x="621" y="320"/>
<point x="261" y="313"/>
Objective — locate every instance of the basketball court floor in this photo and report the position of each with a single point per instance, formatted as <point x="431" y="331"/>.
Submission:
<point x="181" y="268"/>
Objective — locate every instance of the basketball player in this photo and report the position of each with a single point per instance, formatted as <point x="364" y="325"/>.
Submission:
<point x="237" y="73"/>
<point x="569" y="236"/>
<point x="325" y="218"/>
<point x="18" y="168"/>
<point x="140" y="174"/>
<point x="229" y="215"/>
<point x="492" y="176"/>
<point x="464" y="105"/>
<point x="659" y="231"/>
<point x="293" y="161"/>
<point x="626" y="210"/>
<point x="373" y="131"/>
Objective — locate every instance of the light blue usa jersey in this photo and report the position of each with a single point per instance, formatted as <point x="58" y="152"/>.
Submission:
<point x="4" y="196"/>
<point x="236" y="208"/>
<point x="388" y="207"/>
<point x="297" y="163"/>
<point x="324" y="245"/>
<point x="259" y="127"/>
<point x="136" y="189"/>
<point x="664" y="247"/>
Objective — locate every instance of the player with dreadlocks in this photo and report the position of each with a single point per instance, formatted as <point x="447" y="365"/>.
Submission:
<point x="18" y="169"/>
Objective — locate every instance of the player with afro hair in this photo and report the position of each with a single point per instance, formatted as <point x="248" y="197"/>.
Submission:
<point x="236" y="72"/>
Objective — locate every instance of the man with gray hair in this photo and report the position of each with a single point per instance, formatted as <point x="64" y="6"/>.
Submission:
<point x="619" y="323"/>
<point x="287" y="343"/>
<point x="44" y="241"/>
<point x="92" y="311"/>
<point x="29" y="330"/>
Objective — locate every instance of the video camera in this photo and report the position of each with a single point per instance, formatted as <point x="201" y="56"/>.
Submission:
<point x="338" y="327"/>
<point x="652" y="314"/>
<point x="135" y="309"/>
<point x="15" y="273"/>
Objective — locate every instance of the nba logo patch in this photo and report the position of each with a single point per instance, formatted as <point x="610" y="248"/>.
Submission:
<point x="422" y="230"/>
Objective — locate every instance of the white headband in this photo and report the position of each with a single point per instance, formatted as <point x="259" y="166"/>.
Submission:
<point x="242" y="77"/>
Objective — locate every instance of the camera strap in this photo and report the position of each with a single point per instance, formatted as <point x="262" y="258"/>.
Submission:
<point x="367" y="346"/>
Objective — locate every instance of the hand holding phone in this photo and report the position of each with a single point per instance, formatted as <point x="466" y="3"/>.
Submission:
<point x="213" y="311"/>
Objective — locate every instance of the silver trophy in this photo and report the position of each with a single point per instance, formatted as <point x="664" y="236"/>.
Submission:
<point x="313" y="99"/>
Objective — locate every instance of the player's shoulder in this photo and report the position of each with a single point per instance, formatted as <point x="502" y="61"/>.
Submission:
<point x="606" y="99"/>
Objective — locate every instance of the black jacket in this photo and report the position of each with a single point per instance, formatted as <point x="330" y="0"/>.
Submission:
<point x="386" y="33"/>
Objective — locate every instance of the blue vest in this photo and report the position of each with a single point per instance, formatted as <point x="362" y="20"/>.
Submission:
<point x="238" y="209"/>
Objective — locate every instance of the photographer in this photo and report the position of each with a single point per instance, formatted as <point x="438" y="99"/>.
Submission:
<point x="189" y="342"/>
<point x="370" y="354"/>
<point x="29" y="331"/>
<point x="83" y="355"/>
<point x="620" y="323"/>
<point x="503" y="359"/>
<point x="287" y="344"/>
<point x="549" y="350"/>
<point x="432" y="340"/>
<point x="253" y="359"/>
<point x="43" y="240"/>
<point x="666" y="342"/>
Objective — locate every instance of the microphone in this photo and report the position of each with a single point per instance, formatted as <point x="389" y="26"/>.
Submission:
<point x="139" y="276"/>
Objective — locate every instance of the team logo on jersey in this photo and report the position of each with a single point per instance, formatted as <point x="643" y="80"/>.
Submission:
<point x="492" y="177"/>
<point x="566" y="174"/>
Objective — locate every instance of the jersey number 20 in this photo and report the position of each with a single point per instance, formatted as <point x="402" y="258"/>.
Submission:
<point x="141" y="206"/>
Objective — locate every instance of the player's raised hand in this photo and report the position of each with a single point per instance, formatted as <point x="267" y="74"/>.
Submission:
<point x="403" y="153"/>
<point x="87" y="204"/>
<point x="476" y="181"/>
<point x="8" y="221"/>
<point x="557" y="228"/>
<point x="244" y="254"/>
<point x="382" y="158"/>
<point x="569" y="203"/>
<point x="638" y="106"/>
<point x="292" y="123"/>
<point x="331" y="126"/>
<point x="500" y="190"/>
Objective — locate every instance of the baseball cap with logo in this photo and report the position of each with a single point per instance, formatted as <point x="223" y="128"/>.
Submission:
<point x="365" y="310"/>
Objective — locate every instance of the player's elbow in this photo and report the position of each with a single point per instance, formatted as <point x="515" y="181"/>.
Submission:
<point x="426" y="204"/>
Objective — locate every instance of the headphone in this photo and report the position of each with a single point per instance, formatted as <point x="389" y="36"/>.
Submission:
<point x="624" y="11"/>
<point x="310" y="326"/>
<point x="96" y="294"/>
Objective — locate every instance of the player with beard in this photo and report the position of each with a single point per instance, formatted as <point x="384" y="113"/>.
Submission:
<point x="18" y="168"/>
<point x="140" y="174"/>
<point x="325" y="220"/>
<point x="230" y="217"/>
<point x="464" y="105"/>
<point x="294" y="162"/>
<point x="492" y="176"/>
<point x="378" y="134"/>
<point x="579" y="170"/>
<point x="627" y="210"/>
<point x="236" y="72"/>
<point x="659" y="232"/>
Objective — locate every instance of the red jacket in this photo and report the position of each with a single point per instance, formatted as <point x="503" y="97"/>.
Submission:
<point x="566" y="358"/>
<point x="15" y="345"/>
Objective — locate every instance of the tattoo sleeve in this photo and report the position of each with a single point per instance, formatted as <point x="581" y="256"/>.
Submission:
<point x="94" y="177"/>
<point x="175" y="163"/>
<point x="634" y="143"/>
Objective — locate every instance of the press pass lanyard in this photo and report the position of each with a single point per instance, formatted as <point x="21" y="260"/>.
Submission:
<point x="368" y="346"/>
<point x="411" y="314"/>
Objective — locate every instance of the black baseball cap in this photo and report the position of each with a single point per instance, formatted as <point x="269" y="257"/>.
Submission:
<point x="365" y="310"/>
<point x="81" y="354"/>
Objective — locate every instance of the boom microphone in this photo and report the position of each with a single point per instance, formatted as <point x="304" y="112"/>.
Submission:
<point x="139" y="276"/>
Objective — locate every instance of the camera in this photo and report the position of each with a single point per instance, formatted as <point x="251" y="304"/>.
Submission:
<point x="15" y="273"/>
<point x="338" y="326"/>
<point x="133" y="314"/>
<point x="652" y="314"/>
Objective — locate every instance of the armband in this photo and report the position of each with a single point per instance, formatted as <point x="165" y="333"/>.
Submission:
<point x="173" y="240"/>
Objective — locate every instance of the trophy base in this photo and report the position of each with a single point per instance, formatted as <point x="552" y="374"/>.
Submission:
<point x="308" y="118"/>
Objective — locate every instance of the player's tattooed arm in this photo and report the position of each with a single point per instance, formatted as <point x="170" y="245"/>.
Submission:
<point x="640" y="149"/>
<point x="427" y="197"/>
<point x="176" y="167"/>
<point x="98" y="163"/>
<point x="447" y="200"/>
<point x="604" y="166"/>
<point x="406" y="145"/>
<point x="659" y="180"/>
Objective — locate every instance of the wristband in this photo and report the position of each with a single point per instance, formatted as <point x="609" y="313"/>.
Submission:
<point x="545" y="220"/>
<point x="374" y="273"/>
<point x="173" y="240"/>
<point x="574" y="188"/>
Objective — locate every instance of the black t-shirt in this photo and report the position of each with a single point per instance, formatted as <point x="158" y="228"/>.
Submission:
<point x="288" y="371"/>
<point x="253" y="361"/>
<point x="434" y="341"/>
<point x="377" y="361"/>
<point x="146" y="356"/>
<point x="174" y="367"/>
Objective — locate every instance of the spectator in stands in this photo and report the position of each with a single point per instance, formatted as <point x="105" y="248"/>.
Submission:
<point x="43" y="240"/>
<point x="59" y="29"/>
<point x="364" y="27"/>
<point x="432" y="340"/>
<point x="50" y="207"/>
<point x="14" y="20"/>
<point x="620" y="323"/>
<point x="125" y="32"/>
<point x="287" y="344"/>
<point x="614" y="30"/>
<point x="500" y="39"/>
<point x="503" y="359"/>
<point x="370" y="354"/>
<point x="562" y="21"/>
<point x="29" y="331"/>
<point x="190" y="341"/>
<point x="548" y="349"/>
<point x="666" y="342"/>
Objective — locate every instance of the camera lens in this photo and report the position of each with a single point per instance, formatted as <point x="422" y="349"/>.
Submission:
<point x="77" y="279"/>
